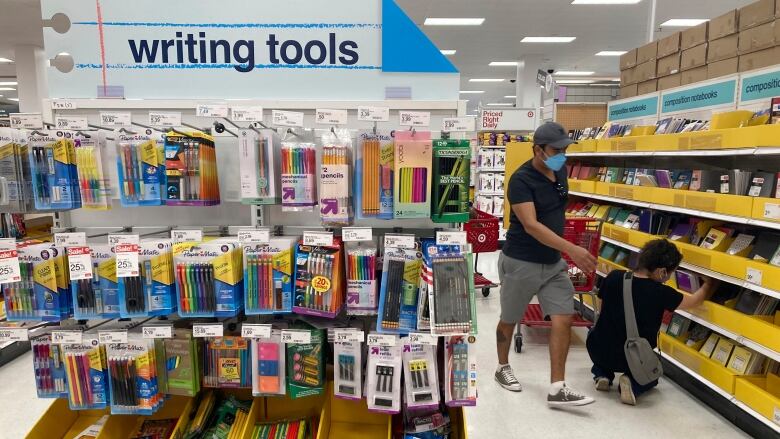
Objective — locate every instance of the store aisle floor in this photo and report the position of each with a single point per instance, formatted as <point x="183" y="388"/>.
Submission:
<point x="667" y="412"/>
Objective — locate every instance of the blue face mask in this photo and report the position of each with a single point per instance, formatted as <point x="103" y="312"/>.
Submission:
<point x="556" y="162"/>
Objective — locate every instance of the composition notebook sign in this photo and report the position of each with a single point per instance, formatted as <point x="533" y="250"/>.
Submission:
<point x="303" y="49"/>
<point x="715" y="94"/>
<point x="633" y="108"/>
<point x="764" y="84"/>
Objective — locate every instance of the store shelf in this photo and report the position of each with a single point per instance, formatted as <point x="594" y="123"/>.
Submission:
<point x="696" y="153"/>
<point x="493" y="193"/>
<point x="493" y="146"/>
<point x="755" y="137"/>
<point x="490" y="169"/>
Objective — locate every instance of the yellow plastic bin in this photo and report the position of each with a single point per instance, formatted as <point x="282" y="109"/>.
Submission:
<point x="762" y="394"/>
<point x="122" y="426"/>
<point x="343" y="419"/>
<point x="60" y="421"/>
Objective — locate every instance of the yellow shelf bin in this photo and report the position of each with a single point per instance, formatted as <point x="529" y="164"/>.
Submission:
<point x="588" y="186"/>
<point x="606" y="266"/>
<point x="344" y="419"/>
<point x="59" y="421"/>
<point x="762" y="330"/>
<point x="708" y="369"/>
<point x="766" y="209"/>
<point x="627" y="236"/>
<point x="616" y="190"/>
<point x="121" y="426"/>
<point x="769" y="274"/>
<point x="761" y="394"/>
<point x="588" y="145"/>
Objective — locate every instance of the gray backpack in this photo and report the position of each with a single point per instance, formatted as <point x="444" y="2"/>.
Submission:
<point x="644" y="364"/>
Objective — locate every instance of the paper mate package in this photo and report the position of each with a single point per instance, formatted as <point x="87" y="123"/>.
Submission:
<point x="209" y="278"/>
<point x="151" y="293"/>
<point x="52" y="159"/>
<point x="87" y="376"/>
<point x="37" y="295"/>
<point x="49" y="367"/>
<point x="140" y="171"/>
<point x="14" y="172"/>
<point x="104" y="272"/>
<point x="132" y="376"/>
<point x="399" y="291"/>
<point x="268" y="283"/>
<point x="375" y="156"/>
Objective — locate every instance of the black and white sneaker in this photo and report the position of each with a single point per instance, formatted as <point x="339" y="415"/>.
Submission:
<point x="506" y="379"/>
<point x="567" y="396"/>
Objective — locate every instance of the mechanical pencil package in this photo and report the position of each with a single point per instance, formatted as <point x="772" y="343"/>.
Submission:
<point x="140" y="168"/>
<point x="151" y="292"/>
<point x="49" y="368"/>
<point x="15" y="179"/>
<point x="209" y="278"/>
<point x="191" y="170"/>
<point x="348" y="373"/>
<point x="383" y="391"/>
<point x="52" y="159"/>
<point x="374" y="175"/>
<point x="460" y="371"/>
<point x="87" y="374"/>
<point x="299" y="175"/>
<point x="258" y="166"/>
<point x="268" y="365"/>
<point x="132" y="376"/>
<point x="306" y="366"/>
<point x="37" y="295"/>
<point x="319" y="280"/>
<point x="362" y="279"/>
<point x="268" y="276"/>
<point x="399" y="291"/>
<point x="335" y="183"/>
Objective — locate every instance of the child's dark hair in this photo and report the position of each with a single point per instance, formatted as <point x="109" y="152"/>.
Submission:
<point x="659" y="253"/>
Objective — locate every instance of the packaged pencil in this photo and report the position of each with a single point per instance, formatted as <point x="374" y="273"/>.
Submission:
<point x="268" y="365"/>
<point x="87" y="374"/>
<point x="151" y="292"/>
<point x="428" y="249"/>
<point x="268" y="276"/>
<point x="413" y="158"/>
<point x="227" y="362"/>
<point x="451" y="169"/>
<point x="451" y="296"/>
<point x="306" y="366"/>
<point x="140" y="170"/>
<point x="362" y="279"/>
<point x="383" y="383"/>
<point x="420" y="376"/>
<point x="53" y="169"/>
<point x="16" y="195"/>
<point x="348" y="370"/>
<point x="37" y="295"/>
<point x="105" y="280"/>
<point x="319" y="280"/>
<point x="399" y="291"/>
<point x="49" y="367"/>
<point x="460" y="371"/>
<point x="132" y="376"/>
<point x="182" y="362"/>
<point x="335" y="183"/>
<point x="209" y="278"/>
<point x="374" y="172"/>
<point x="191" y="170"/>
<point x="299" y="176"/>
<point x="93" y="186"/>
<point x="259" y="166"/>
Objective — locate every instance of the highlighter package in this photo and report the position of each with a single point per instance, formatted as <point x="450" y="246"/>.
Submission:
<point x="227" y="362"/>
<point x="132" y="377"/>
<point x="413" y="159"/>
<point x="420" y="376"/>
<point x="374" y="175"/>
<point x="451" y="298"/>
<point x="268" y="284"/>
<point x="451" y="170"/>
<point x="259" y="161"/>
<point x="209" y="278"/>
<point x="268" y="365"/>
<point x="348" y="373"/>
<point x="53" y="169"/>
<point x="37" y="296"/>
<point x="182" y="353"/>
<point x="140" y="170"/>
<point x="335" y="184"/>
<point x="151" y="293"/>
<point x="319" y="280"/>
<point x="191" y="170"/>
<point x="87" y="374"/>
<point x="460" y="371"/>
<point x="15" y="180"/>
<point x="362" y="280"/>
<point x="299" y="176"/>
<point x="306" y="367"/>
<point x="383" y="383"/>
<point x="48" y="366"/>
<point x="399" y="291"/>
<point x="93" y="186"/>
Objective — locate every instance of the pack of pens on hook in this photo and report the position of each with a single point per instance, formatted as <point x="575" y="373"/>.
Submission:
<point x="268" y="365"/>
<point x="38" y="294"/>
<point x="319" y="280"/>
<point x="209" y="279"/>
<point x="348" y="369"/>
<point x="299" y="172"/>
<point x="133" y="376"/>
<point x="420" y="375"/>
<point x="306" y="365"/>
<point x="259" y="163"/>
<point x="151" y="291"/>
<point x="268" y="276"/>
<point x="383" y="381"/>
<point x="104" y="284"/>
<point x="451" y="293"/>
<point x="191" y="170"/>
<point x="399" y="291"/>
<point x="451" y="170"/>
<point x="460" y="371"/>
<point x="362" y="282"/>
<point x="374" y="175"/>
<point x="140" y="163"/>
<point x="86" y="373"/>
<point x="53" y="170"/>
<point x="48" y="367"/>
<point x="93" y="186"/>
<point x="335" y="192"/>
<point x="15" y="180"/>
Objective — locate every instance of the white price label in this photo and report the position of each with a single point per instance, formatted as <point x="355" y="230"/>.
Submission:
<point x="13" y="334"/>
<point x="348" y="336"/>
<point x="66" y="337"/>
<point x="287" y="118"/>
<point x="106" y="337"/>
<point x="9" y="267"/>
<point x="80" y="263"/>
<point x="776" y="417"/>
<point x="115" y="119"/>
<point x="164" y="119"/>
<point x="212" y="110"/>
<point x="451" y="238"/>
<point x="772" y="211"/>
<point x="352" y="234"/>
<point x="70" y="239"/>
<point x="374" y="114"/>
<point x="318" y="238"/>
<point x="157" y="331"/>
<point x="381" y="340"/>
<point x="114" y="240"/>
<point x="207" y="330"/>
<point x="187" y="235"/>
<point x="253" y="330"/>
<point x="457" y="124"/>
<point x="247" y="114"/>
<point x="296" y="337"/>
<point x="330" y="117"/>
<point x="71" y="123"/>
<point x="400" y="241"/>
<point x="63" y="104"/>
<point x="414" y="118"/>
<point x="262" y="236"/>
<point x="26" y="121"/>
<point x="126" y="260"/>
<point x="754" y="276"/>
<point x="418" y="338"/>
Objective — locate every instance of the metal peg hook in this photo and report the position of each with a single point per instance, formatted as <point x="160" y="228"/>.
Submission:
<point x="147" y="127"/>
<point x="259" y="122"/>
<point x="82" y="133"/>
<point x="375" y="128"/>
<point x="290" y="131"/>
<point x="220" y="128"/>
<point x="205" y="130"/>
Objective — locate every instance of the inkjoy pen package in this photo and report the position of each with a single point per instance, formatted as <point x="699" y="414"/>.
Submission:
<point x="374" y="175"/>
<point x="268" y="365"/>
<point x="227" y="362"/>
<point x="348" y="373"/>
<point x="15" y="181"/>
<point x="209" y="279"/>
<point x="258" y="166"/>
<point x="140" y="170"/>
<point x="37" y="295"/>
<point x="362" y="280"/>
<point x="319" y="280"/>
<point x="86" y="373"/>
<point x="306" y="366"/>
<point x="335" y="183"/>
<point x="383" y="386"/>
<point x="451" y="296"/>
<point x="132" y="376"/>
<point x="451" y="169"/>
<point x="151" y="292"/>
<point x="53" y="169"/>
<point x="182" y="363"/>
<point x="93" y="186"/>
<point x="420" y="376"/>
<point x="299" y="174"/>
<point x="399" y="291"/>
<point x="49" y="367"/>
<point x="460" y="371"/>
<point x="268" y="276"/>
<point x="413" y="158"/>
<point x="191" y="170"/>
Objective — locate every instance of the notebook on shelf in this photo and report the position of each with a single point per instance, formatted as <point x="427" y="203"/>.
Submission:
<point x="722" y="352"/>
<point x="741" y="245"/>
<point x="762" y="185"/>
<point x="709" y="346"/>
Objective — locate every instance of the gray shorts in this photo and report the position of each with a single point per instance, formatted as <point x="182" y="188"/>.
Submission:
<point x="521" y="280"/>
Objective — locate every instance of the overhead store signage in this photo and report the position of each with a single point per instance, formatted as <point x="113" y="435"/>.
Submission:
<point x="760" y="85"/>
<point x="307" y="49"/>
<point x="699" y="97"/>
<point x="515" y="119"/>
<point x="633" y="108"/>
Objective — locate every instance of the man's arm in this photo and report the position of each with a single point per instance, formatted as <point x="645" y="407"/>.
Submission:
<point x="703" y="293"/>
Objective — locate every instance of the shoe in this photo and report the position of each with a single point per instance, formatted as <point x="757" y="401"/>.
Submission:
<point x="602" y="384"/>
<point x="506" y="379"/>
<point x="626" y="391"/>
<point x="568" y="397"/>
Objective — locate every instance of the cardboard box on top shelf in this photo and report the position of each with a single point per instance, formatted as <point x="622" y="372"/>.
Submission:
<point x="722" y="68"/>
<point x="756" y="13"/>
<point x="648" y="52"/>
<point x="670" y="81"/>
<point x="760" y="59"/>
<point x="693" y="57"/>
<point x="627" y="77"/>
<point x="628" y="91"/>
<point x="759" y="38"/>
<point x="628" y="59"/>
<point x="694" y="36"/>
<point x="668" y="65"/>
<point x="693" y="75"/>
<point x="724" y="25"/>
<point x="647" y="87"/>
<point x="668" y="45"/>
<point x="723" y="48"/>
<point x="644" y="72"/>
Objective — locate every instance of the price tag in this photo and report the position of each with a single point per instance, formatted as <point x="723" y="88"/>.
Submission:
<point x="381" y="340"/>
<point x="80" y="263"/>
<point x="287" y="118"/>
<point x="262" y="236"/>
<point x="9" y="266"/>
<point x="348" y="336"/>
<point x="164" y="119"/>
<point x="106" y="337"/>
<point x="157" y="331"/>
<point x="70" y="239"/>
<point x="126" y="260"/>
<point x="207" y="330"/>
<point x="423" y="339"/>
<point x="115" y="119"/>
<point x="374" y="114"/>
<point x="247" y="114"/>
<point x="187" y="235"/>
<point x="330" y="117"/>
<point x="754" y="276"/>
<point x="318" y="238"/>
<point x="414" y="118"/>
<point x="26" y="121"/>
<point x="776" y="417"/>
<point x="212" y="110"/>
<point x="66" y="337"/>
<point x="352" y="234"/>
<point x="63" y="104"/>
<point x="400" y="241"/>
<point x="13" y="334"/>
<point x="296" y="337"/>
<point x="71" y="123"/>
<point x="454" y="124"/>
<point x="252" y="330"/>
<point x="772" y="211"/>
<point x="451" y="238"/>
<point x="114" y="240"/>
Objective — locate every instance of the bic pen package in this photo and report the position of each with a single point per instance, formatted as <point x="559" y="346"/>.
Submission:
<point x="182" y="363"/>
<point x="268" y="276"/>
<point x="299" y="171"/>
<point x="53" y="168"/>
<point x="140" y="169"/>
<point x="306" y="366"/>
<point x="335" y="184"/>
<point x="268" y="365"/>
<point x="460" y="371"/>
<point x="151" y="293"/>
<point x="38" y="295"/>
<point x="451" y="169"/>
<point x="209" y="279"/>
<point x="413" y="158"/>
<point x="383" y="392"/>
<point x="49" y="368"/>
<point x="227" y="362"/>
<point x="132" y="376"/>
<point x="399" y="292"/>
<point x="420" y="376"/>
<point x="93" y="187"/>
<point x="348" y="376"/>
<point x="191" y="170"/>
<point x="361" y="277"/>
<point x="259" y="161"/>
<point x="319" y="280"/>
<point x="374" y="175"/>
<point x="15" y="180"/>
<point x="451" y="296"/>
<point x="86" y="373"/>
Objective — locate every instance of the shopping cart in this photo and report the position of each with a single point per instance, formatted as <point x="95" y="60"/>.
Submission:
<point x="482" y="233"/>
<point x="586" y="233"/>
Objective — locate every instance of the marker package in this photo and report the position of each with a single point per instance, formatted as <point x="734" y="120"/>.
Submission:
<point x="259" y="161"/>
<point x="87" y="374"/>
<point x="53" y="169"/>
<point x="460" y="371"/>
<point x="191" y="170"/>
<point x="451" y="296"/>
<point x="37" y="296"/>
<point x="227" y="362"/>
<point x="319" y="280"/>
<point x="299" y="176"/>
<point x="151" y="293"/>
<point x="335" y="183"/>
<point x="306" y="367"/>
<point x="268" y="276"/>
<point x="49" y="368"/>
<point x="268" y="365"/>
<point x="93" y="186"/>
<point x="182" y="353"/>
<point x="413" y="158"/>
<point x="399" y="292"/>
<point x="209" y="279"/>
<point x="420" y="376"/>
<point x="362" y="281"/>
<point x="132" y="376"/>
<point x="140" y="170"/>
<point x="348" y="364"/>
<point x="374" y="175"/>
<point x="383" y="392"/>
<point x="15" y="180"/>
<point x="451" y="169"/>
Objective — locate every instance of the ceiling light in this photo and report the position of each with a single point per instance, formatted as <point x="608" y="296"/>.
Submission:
<point x="7" y="88"/>
<point x="575" y="81"/>
<point x="9" y="83"/>
<point x="502" y="63"/>
<point x="605" y="2"/>
<point x="572" y="73"/>
<point x="448" y="52"/>
<point x="611" y="53"/>
<point x="471" y="92"/>
<point x="500" y="104"/>
<point x="14" y="99"/>
<point x="683" y="22"/>
<point x="5" y="60"/>
<point x="454" y="21"/>
<point x="486" y="80"/>
<point x="511" y="97"/>
<point x="548" y="39"/>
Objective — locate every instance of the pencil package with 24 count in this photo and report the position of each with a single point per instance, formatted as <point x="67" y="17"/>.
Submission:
<point x="413" y="158"/>
<point x="209" y="278"/>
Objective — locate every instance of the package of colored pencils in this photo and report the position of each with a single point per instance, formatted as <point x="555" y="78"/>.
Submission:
<point x="348" y="373"/>
<point x="298" y="429"/>
<point x="87" y="374"/>
<point x="151" y="292"/>
<point x="268" y="365"/>
<point x="209" y="279"/>
<point x="335" y="182"/>
<point x="319" y="280"/>
<point x="451" y="296"/>
<point x="191" y="170"/>
<point x="49" y="367"/>
<point x="374" y="175"/>
<point x="413" y="159"/>
<point x="383" y="383"/>
<point x="460" y="371"/>
<point x="93" y="186"/>
<point x="451" y="170"/>
<point x="140" y="167"/>
<point x="362" y="280"/>
<point x="259" y="163"/>
<point x="268" y="283"/>
<point x="306" y="366"/>
<point x="132" y="376"/>
<point x="299" y="176"/>
<point x="53" y="170"/>
<point x="420" y="375"/>
<point x="227" y="362"/>
<point x="37" y="296"/>
<point x="17" y="196"/>
<point x="399" y="292"/>
<point x="182" y="353"/>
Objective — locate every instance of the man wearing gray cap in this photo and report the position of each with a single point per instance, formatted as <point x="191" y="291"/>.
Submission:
<point x="530" y="262"/>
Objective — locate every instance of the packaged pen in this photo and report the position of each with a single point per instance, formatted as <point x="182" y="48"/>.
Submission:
<point x="227" y="362"/>
<point x="451" y="296"/>
<point x="93" y="186"/>
<point x="451" y="169"/>
<point x="191" y="170"/>
<point x="362" y="280"/>
<point x="299" y="176"/>
<point x="259" y="163"/>
<point x="15" y="179"/>
<point x="374" y="175"/>
<point x="209" y="279"/>
<point x="420" y="376"/>
<point x="460" y="371"/>
<point x="306" y="366"/>
<point x="182" y="362"/>
<point x="348" y="373"/>
<point x="104" y="278"/>
<point x="37" y="295"/>
<point x="140" y="171"/>
<point x="87" y="374"/>
<point x="399" y="291"/>
<point x="383" y="386"/>
<point x="319" y="280"/>
<point x="268" y="365"/>
<point x="413" y="159"/>
<point x="151" y="292"/>
<point x="335" y="184"/>
<point x="53" y="168"/>
<point x="132" y="376"/>
<point x="49" y="367"/>
<point x="268" y="282"/>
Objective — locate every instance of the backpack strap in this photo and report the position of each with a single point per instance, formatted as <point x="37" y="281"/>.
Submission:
<point x="628" y="307"/>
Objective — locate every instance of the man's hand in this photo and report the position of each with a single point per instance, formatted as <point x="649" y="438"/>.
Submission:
<point x="582" y="259"/>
